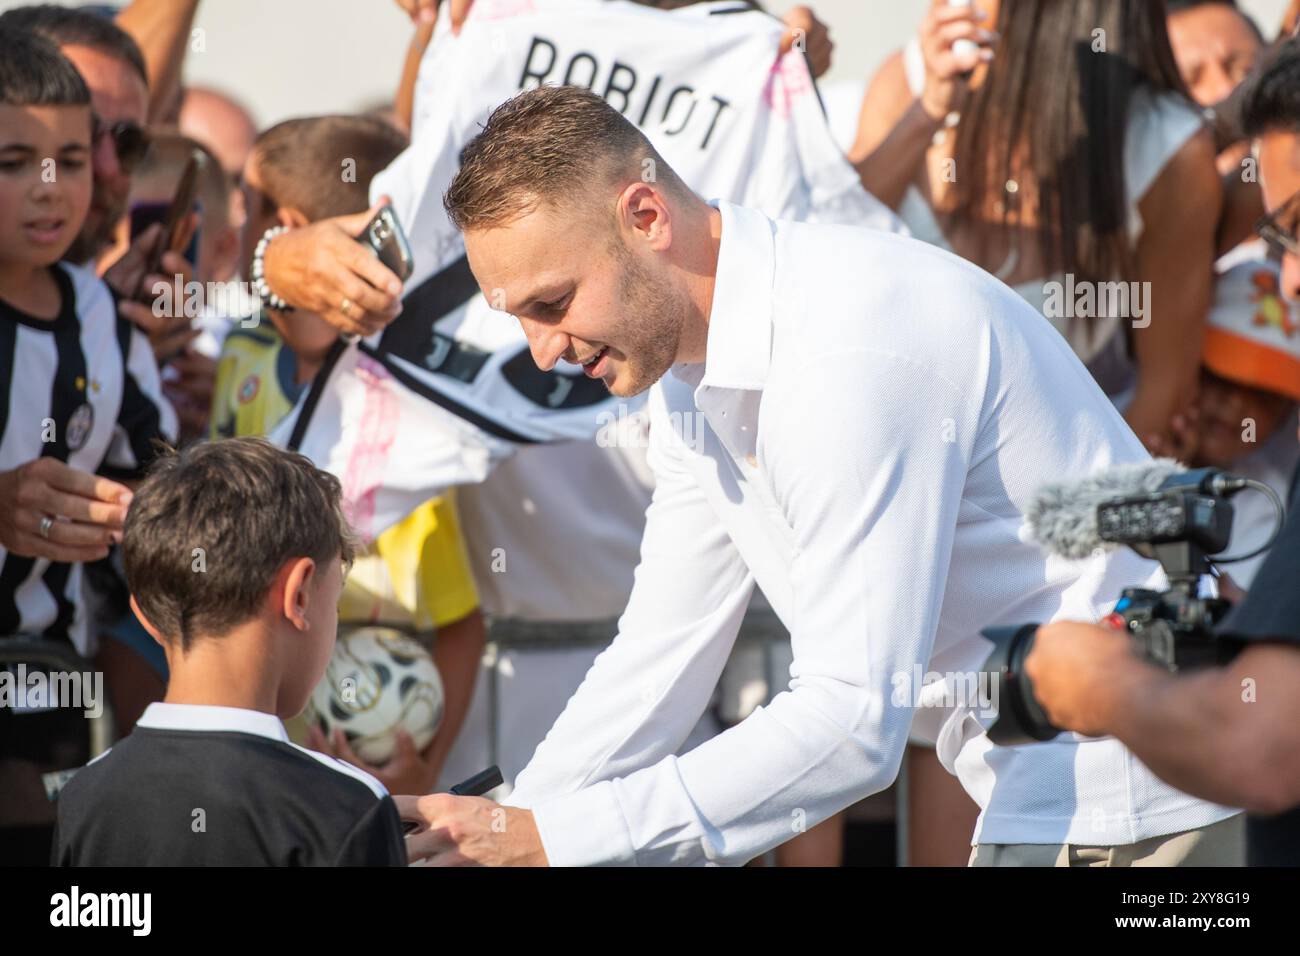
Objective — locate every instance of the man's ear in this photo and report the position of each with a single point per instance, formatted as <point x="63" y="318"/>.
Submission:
<point x="147" y="624"/>
<point x="291" y="218"/>
<point x="643" y="214"/>
<point x="293" y="596"/>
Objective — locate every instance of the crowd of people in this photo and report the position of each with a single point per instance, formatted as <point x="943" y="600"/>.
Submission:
<point x="1094" y="157"/>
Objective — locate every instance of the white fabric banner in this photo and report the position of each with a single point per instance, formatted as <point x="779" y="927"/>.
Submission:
<point x="706" y="84"/>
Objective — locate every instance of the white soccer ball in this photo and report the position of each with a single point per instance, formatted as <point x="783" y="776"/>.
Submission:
<point x="378" y="681"/>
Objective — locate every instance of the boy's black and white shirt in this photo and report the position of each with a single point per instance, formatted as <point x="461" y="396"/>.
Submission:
<point x="222" y="786"/>
<point x="83" y="388"/>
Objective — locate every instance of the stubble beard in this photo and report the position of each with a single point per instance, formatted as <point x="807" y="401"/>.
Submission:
<point x="653" y="333"/>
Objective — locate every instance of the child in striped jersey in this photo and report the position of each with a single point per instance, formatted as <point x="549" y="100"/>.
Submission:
<point x="79" y="389"/>
<point x="80" y="400"/>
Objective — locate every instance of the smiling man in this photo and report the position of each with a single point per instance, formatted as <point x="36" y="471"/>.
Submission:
<point x="853" y="420"/>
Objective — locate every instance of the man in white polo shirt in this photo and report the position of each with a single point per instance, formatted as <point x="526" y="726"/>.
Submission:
<point x="855" y="422"/>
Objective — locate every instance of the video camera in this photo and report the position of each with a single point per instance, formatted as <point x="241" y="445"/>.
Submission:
<point x="1183" y="521"/>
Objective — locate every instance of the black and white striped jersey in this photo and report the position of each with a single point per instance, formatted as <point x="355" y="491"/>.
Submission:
<point x="82" y="388"/>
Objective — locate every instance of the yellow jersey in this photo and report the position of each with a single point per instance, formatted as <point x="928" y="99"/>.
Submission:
<point x="416" y="574"/>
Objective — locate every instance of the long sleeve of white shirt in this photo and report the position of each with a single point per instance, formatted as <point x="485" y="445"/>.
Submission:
<point x="644" y="693"/>
<point x="871" y="555"/>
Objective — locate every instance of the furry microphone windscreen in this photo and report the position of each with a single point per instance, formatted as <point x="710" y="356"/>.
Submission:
<point x="1063" y="517"/>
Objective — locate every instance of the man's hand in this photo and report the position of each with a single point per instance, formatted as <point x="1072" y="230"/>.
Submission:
<point x="426" y="11"/>
<point x="409" y="770"/>
<point x="1079" y="670"/>
<point x="136" y="290"/>
<point x="470" y="831"/>
<point x="86" y="512"/>
<point x="323" y="269"/>
<point x="807" y="33"/>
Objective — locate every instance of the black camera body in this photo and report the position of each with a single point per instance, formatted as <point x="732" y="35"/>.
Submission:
<point x="1181" y="524"/>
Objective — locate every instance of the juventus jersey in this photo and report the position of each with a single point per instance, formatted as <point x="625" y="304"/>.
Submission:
<point x="82" y="388"/>
<point x="201" y="785"/>
<point x="449" y="388"/>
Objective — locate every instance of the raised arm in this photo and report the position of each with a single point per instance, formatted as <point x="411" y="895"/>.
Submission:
<point x="1176" y="256"/>
<point x="161" y="28"/>
<point x="896" y="127"/>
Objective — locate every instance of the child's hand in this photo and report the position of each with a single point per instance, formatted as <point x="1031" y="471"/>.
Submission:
<point x="169" y="330"/>
<point x="1179" y="441"/>
<point x="51" y="510"/>
<point x="408" y="771"/>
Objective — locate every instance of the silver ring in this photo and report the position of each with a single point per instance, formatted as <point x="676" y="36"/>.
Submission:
<point x="46" y="524"/>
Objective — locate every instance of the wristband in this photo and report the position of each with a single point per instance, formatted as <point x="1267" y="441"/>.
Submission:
<point x="260" y="286"/>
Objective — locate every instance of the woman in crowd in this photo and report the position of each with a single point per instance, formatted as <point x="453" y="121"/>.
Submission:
<point x="995" y="134"/>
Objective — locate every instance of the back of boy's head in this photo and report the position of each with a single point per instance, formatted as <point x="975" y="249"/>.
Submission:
<point x="34" y="73"/>
<point x="76" y="26"/>
<point x="213" y="524"/>
<point x="322" y="165"/>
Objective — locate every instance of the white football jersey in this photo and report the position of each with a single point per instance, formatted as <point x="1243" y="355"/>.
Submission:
<point x="450" y="388"/>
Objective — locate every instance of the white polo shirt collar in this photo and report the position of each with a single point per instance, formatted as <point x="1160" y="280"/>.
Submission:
<point x="163" y="716"/>
<point x="729" y="384"/>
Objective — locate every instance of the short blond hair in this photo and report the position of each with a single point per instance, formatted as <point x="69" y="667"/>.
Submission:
<point x="555" y="145"/>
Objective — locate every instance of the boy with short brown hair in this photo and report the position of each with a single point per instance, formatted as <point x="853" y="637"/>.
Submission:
<point x="235" y="555"/>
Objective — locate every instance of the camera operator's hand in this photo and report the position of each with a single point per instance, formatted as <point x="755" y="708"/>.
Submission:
<point x="323" y="269"/>
<point x="1079" y="670"/>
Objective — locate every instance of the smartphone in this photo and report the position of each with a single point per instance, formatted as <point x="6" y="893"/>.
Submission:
<point x="384" y="235"/>
<point x="475" y="786"/>
<point x="173" y="221"/>
<point x="963" y="46"/>
<point x="480" y="783"/>
<point x="145" y="214"/>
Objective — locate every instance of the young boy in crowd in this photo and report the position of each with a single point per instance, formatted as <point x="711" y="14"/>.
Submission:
<point x="235" y="556"/>
<point x="1246" y="411"/>
<point x="415" y="576"/>
<point x="80" y="401"/>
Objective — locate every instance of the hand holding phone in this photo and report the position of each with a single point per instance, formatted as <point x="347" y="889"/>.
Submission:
<point x="172" y="237"/>
<point x="963" y="47"/>
<point x="386" y="239"/>
<point x="482" y="782"/>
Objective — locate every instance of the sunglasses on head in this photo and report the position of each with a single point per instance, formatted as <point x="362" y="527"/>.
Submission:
<point x="130" y="141"/>
<point x="1281" y="238"/>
